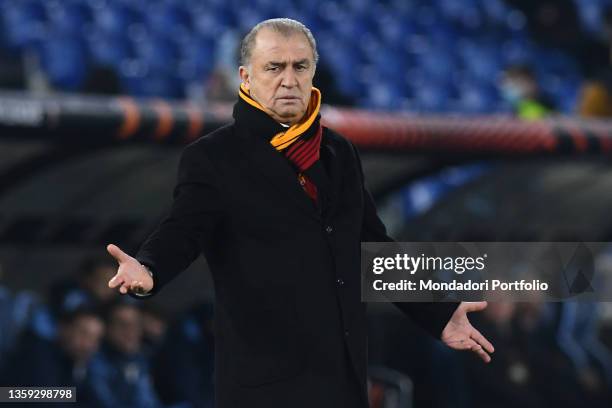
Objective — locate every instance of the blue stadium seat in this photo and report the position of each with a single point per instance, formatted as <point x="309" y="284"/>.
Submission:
<point x="168" y="19"/>
<point x="23" y="24"/>
<point x="438" y="65"/>
<point x="64" y="61"/>
<point x="174" y="42"/>
<point x="210" y="23"/>
<point x="108" y="49"/>
<point x="590" y="13"/>
<point x="495" y="11"/>
<point x="68" y="17"/>
<point x="136" y="77"/>
<point x="515" y="51"/>
<point x="196" y="57"/>
<point x="161" y="55"/>
<point x="465" y="13"/>
<point x="115" y="19"/>
<point x="477" y="99"/>
<point x="382" y="96"/>
<point x="431" y="98"/>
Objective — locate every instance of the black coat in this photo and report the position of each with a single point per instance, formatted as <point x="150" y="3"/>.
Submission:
<point x="290" y="327"/>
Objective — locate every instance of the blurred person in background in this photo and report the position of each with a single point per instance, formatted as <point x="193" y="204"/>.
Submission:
<point x="218" y="87"/>
<point x="120" y="371"/>
<point x="183" y="365"/>
<point x="87" y="287"/>
<point x="519" y="87"/>
<point x="66" y="361"/>
<point x="595" y="96"/>
<point x="552" y="22"/>
<point x="154" y="329"/>
<point x="531" y="369"/>
<point x="510" y="382"/>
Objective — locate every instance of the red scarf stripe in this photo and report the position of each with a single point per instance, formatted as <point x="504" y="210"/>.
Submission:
<point x="308" y="155"/>
<point x="293" y="148"/>
<point x="299" y="153"/>
<point x="307" y="152"/>
<point x="297" y="145"/>
<point x="310" y="189"/>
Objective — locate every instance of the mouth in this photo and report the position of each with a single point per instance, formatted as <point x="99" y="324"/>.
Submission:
<point x="288" y="98"/>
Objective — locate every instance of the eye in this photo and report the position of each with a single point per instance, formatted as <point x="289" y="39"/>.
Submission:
<point x="301" y="67"/>
<point x="273" y="69"/>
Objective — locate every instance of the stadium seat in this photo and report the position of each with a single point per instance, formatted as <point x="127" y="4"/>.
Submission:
<point x="176" y="42"/>
<point x="64" y="61"/>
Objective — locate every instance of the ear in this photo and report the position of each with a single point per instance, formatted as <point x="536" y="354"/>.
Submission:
<point x="244" y="75"/>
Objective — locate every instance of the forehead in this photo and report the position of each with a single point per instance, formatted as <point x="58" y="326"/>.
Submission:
<point x="88" y="322"/>
<point x="274" y="46"/>
<point x="124" y="312"/>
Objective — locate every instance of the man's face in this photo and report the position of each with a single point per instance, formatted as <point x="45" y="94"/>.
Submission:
<point x="279" y="75"/>
<point x="125" y="329"/>
<point x="81" y="338"/>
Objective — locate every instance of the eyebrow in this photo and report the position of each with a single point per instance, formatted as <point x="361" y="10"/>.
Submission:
<point x="303" y="61"/>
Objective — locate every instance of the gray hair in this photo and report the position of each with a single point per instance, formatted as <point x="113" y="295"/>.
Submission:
<point x="284" y="26"/>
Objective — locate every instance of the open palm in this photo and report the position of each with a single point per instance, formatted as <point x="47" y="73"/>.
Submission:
<point x="459" y="334"/>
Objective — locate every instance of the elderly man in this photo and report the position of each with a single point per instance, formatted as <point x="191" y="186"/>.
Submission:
<point x="277" y="204"/>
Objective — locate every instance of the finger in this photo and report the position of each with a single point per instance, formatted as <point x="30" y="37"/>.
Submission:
<point x="475" y="306"/>
<point x="124" y="288"/>
<point x="482" y="340"/>
<point x="115" y="281"/>
<point x="481" y="353"/>
<point x="117" y="253"/>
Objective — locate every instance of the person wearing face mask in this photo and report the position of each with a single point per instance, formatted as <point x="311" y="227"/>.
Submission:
<point x="520" y="89"/>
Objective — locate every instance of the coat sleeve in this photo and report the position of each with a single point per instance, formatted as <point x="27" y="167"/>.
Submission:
<point x="196" y="210"/>
<point x="431" y="316"/>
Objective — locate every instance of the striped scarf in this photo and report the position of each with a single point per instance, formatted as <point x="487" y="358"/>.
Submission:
<point x="301" y="142"/>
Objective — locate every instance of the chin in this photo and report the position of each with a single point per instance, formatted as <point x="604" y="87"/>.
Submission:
<point x="291" y="114"/>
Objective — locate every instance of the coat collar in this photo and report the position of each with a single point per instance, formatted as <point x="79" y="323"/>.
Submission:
<point x="276" y="169"/>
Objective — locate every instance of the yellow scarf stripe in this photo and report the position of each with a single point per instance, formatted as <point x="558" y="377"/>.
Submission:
<point x="284" y="139"/>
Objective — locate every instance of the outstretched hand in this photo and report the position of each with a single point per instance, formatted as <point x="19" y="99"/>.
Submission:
<point x="131" y="275"/>
<point x="459" y="334"/>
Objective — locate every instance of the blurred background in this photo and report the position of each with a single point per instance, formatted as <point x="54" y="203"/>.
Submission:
<point x="478" y="120"/>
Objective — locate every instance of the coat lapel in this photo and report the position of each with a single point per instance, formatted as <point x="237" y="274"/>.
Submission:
<point x="333" y="166"/>
<point x="275" y="168"/>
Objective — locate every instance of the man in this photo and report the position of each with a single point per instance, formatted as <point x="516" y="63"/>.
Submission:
<point x="183" y="365"/>
<point x="64" y="361"/>
<point x="277" y="204"/>
<point x="121" y="370"/>
<point x="88" y="287"/>
<point x="520" y="88"/>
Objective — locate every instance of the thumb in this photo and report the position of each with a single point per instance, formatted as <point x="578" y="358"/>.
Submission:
<point x="117" y="253"/>
<point x="474" y="306"/>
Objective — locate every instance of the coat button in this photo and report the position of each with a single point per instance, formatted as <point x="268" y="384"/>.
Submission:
<point x="329" y="229"/>
<point x="346" y="333"/>
<point x="340" y="281"/>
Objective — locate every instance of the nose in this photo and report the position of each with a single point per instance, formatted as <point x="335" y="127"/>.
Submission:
<point x="289" y="79"/>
